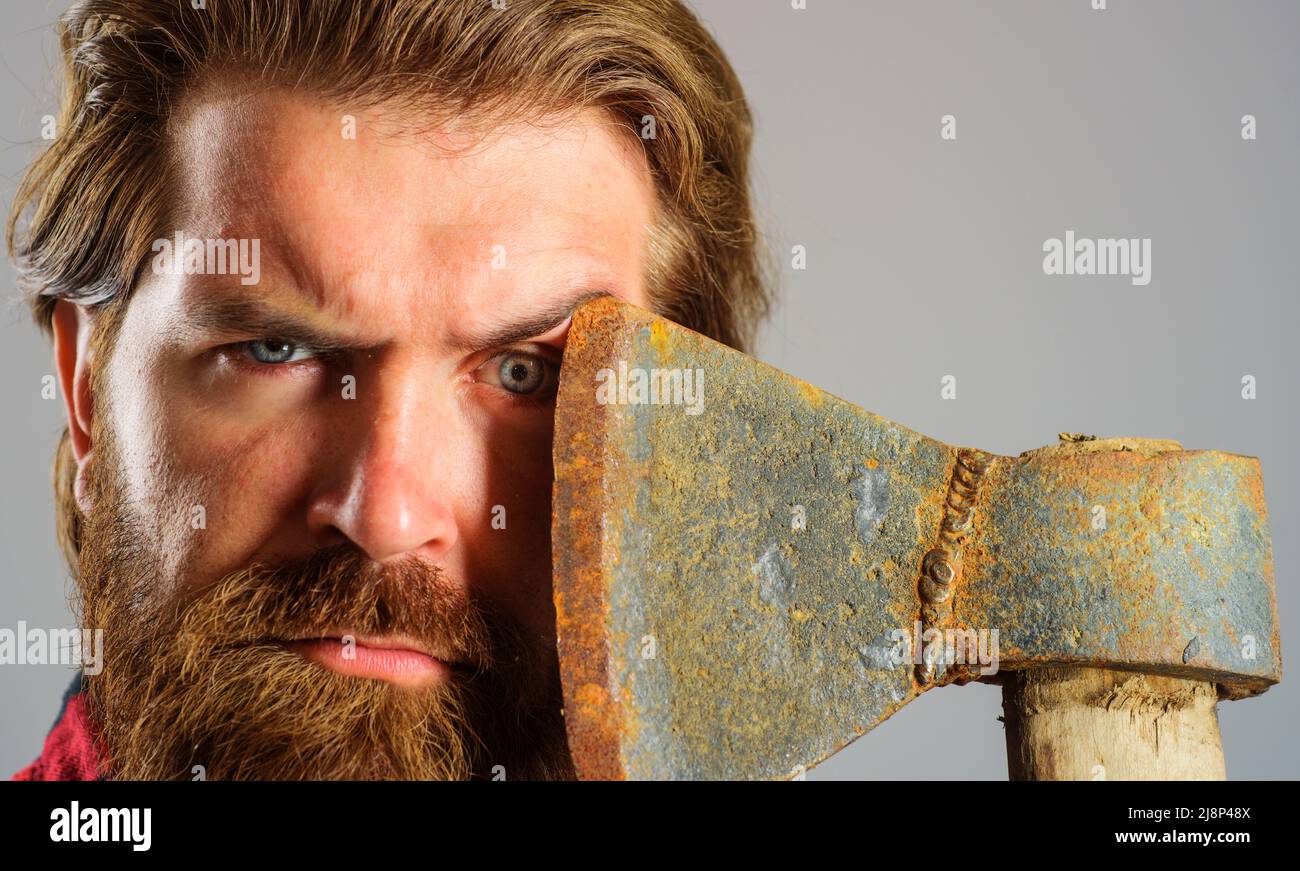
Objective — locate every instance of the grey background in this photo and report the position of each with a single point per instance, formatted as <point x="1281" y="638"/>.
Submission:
<point x="924" y="259"/>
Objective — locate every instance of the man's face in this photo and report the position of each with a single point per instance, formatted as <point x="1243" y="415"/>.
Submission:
<point x="363" y="437"/>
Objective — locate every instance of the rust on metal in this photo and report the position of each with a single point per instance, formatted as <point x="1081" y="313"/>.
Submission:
<point x="749" y="571"/>
<point x="941" y="566"/>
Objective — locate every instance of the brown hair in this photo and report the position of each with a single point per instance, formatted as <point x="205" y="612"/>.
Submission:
<point x="97" y="195"/>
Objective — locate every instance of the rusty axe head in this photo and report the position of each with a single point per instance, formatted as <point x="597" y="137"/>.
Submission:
<point x="750" y="573"/>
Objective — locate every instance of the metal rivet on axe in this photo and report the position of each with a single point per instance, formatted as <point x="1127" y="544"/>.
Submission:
<point x="750" y="573"/>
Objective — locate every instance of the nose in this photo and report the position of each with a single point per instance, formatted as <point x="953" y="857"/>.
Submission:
<point x="388" y="484"/>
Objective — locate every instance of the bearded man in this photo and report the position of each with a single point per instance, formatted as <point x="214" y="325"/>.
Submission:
<point x="307" y="498"/>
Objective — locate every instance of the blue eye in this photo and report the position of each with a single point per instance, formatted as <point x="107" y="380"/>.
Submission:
<point x="521" y="374"/>
<point x="275" y="351"/>
<point x="526" y="374"/>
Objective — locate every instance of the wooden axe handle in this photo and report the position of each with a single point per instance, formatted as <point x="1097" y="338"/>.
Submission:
<point x="1100" y="724"/>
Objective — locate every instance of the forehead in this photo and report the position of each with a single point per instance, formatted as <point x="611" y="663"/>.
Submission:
<point x="362" y="211"/>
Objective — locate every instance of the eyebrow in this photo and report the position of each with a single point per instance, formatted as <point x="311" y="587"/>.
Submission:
<point x="529" y="327"/>
<point x="220" y="314"/>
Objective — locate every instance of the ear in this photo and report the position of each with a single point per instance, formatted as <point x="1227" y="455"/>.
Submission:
<point x="71" y="325"/>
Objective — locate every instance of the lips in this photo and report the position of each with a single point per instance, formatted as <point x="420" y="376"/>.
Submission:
<point x="385" y="642"/>
<point x="396" y="659"/>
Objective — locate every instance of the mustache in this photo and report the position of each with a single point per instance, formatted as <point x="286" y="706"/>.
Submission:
<point x="337" y="590"/>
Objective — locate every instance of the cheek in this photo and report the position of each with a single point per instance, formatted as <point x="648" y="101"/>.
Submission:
<point x="507" y="540"/>
<point x="221" y="491"/>
<point x="211" y="474"/>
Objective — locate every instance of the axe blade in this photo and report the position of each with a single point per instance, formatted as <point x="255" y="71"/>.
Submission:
<point x="743" y="564"/>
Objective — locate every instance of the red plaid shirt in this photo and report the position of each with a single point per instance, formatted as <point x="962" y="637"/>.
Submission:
<point x="70" y="748"/>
